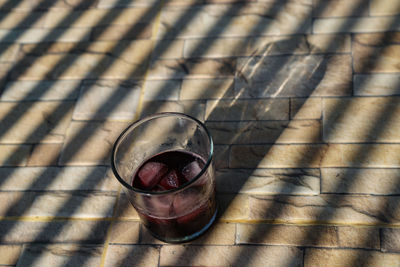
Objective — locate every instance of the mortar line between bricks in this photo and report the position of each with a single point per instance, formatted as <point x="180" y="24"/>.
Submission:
<point x="153" y="38"/>
<point x="109" y="230"/>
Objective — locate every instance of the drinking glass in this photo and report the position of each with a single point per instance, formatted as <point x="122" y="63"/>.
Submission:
<point x="178" y="214"/>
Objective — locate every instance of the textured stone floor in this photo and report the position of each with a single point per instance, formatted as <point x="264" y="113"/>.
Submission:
<point x="302" y="98"/>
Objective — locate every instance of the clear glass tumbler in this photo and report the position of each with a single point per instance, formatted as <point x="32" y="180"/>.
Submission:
<point x="164" y="163"/>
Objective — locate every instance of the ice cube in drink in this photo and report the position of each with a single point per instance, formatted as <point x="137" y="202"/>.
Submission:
<point x="181" y="213"/>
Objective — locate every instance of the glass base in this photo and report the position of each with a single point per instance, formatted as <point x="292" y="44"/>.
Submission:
<point x="190" y="237"/>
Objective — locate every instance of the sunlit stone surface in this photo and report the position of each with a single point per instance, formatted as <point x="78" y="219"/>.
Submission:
<point x="301" y="98"/>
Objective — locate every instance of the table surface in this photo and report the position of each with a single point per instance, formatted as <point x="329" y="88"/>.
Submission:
<point x="301" y="98"/>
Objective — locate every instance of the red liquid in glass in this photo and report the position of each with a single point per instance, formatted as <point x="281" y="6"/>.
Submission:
<point x="181" y="214"/>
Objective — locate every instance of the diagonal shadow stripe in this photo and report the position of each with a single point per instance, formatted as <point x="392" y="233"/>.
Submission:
<point x="333" y="199"/>
<point x="39" y="90"/>
<point x="204" y="46"/>
<point x="191" y="254"/>
<point x="325" y="213"/>
<point x="13" y="35"/>
<point x="65" y="63"/>
<point x="348" y="24"/>
<point x="46" y="173"/>
<point x="377" y="129"/>
<point x="161" y="90"/>
<point x="10" y="5"/>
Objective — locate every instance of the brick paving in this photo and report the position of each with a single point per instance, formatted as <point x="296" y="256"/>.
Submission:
<point x="301" y="97"/>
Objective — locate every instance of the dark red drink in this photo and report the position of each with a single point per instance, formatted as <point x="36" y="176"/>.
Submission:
<point x="189" y="207"/>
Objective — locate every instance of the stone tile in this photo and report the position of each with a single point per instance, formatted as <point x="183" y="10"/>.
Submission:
<point x="125" y="209"/>
<point x="84" y="232"/>
<point x="364" y="119"/>
<point x="329" y="43"/>
<point x="246" y="46"/>
<point x="277" y="156"/>
<point x="359" y="237"/>
<point x="62" y="4"/>
<point x="75" y="205"/>
<point x="61" y="254"/>
<point x="27" y="122"/>
<point x="39" y="35"/>
<point x="384" y="7"/>
<point x="122" y="32"/>
<point x="294" y="76"/>
<point x="110" y="183"/>
<point x="237" y="110"/>
<point x="125" y="3"/>
<point x="219" y="234"/>
<point x="362" y="155"/>
<point x="90" y="143"/>
<point x="269" y="181"/>
<point x="189" y="2"/>
<point x="23" y="5"/>
<point x="196" y="68"/>
<point x="339" y="8"/>
<point x="193" y="108"/>
<point x="230" y="255"/>
<point x="5" y="69"/>
<point x="221" y="156"/>
<point x="376" y="52"/>
<point x="360" y="181"/>
<point x="354" y="25"/>
<point x="98" y="17"/>
<point x="125" y="233"/>
<point x="233" y="206"/>
<point x="135" y="49"/>
<point x="228" y="1"/>
<point x="40" y="90"/>
<point x="390" y="239"/>
<point x="168" y="49"/>
<point x="253" y="19"/>
<point x="305" y="108"/>
<point x="161" y="90"/>
<point x="95" y="60"/>
<point x="125" y="255"/>
<point x="14" y="155"/>
<point x="147" y="238"/>
<point x="344" y="257"/>
<point x="107" y="99"/>
<point x="44" y="155"/>
<point x="193" y="89"/>
<point x="262" y="132"/>
<point x="338" y="209"/>
<point x="8" y="52"/>
<point x="10" y="254"/>
<point x="22" y="19"/>
<point x="314" y="235"/>
<point x="382" y="84"/>
<point x="270" y="234"/>
<point x="57" y="178"/>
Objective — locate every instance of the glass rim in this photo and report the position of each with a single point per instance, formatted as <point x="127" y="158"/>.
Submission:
<point x="148" y="118"/>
